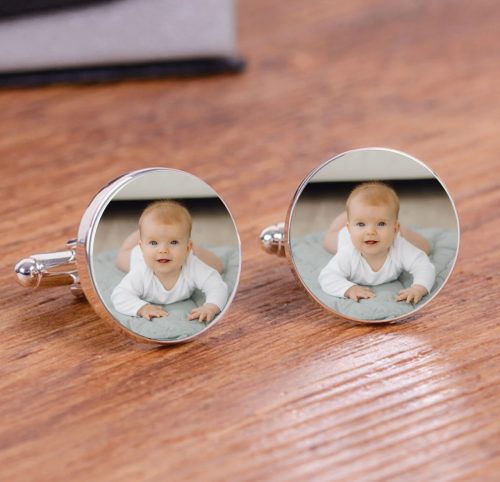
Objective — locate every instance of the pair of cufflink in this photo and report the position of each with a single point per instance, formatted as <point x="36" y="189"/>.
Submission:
<point x="90" y="270"/>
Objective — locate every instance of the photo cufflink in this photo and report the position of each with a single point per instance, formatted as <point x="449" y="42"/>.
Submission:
<point x="371" y="234"/>
<point x="157" y="256"/>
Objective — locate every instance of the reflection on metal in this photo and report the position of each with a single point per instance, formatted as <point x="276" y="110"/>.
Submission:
<point x="47" y="270"/>
<point x="76" y="290"/>
<point x="273" y="239"/>
<point x="71" y="244"/>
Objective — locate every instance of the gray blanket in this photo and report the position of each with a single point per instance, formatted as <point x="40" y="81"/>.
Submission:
<point x="175" y="326"/>
<point x="310" y="258"/>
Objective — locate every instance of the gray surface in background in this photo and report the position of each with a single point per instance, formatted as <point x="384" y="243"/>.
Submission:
<point x="125" y="31"/>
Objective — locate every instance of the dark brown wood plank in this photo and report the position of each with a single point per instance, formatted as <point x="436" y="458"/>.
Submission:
<point x="278" y="390"/>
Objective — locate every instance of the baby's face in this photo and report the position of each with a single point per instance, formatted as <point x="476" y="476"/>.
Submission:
<point x="165" y="246"/>
<point x="372" y="228"/>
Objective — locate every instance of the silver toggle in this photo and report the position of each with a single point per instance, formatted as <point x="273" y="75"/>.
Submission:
<point x="273" y="239"/>
<point x="46" y="270"/>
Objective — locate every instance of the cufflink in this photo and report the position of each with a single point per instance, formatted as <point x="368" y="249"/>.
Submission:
<point x="397" y="238"/>
<point x="94" y="263"/>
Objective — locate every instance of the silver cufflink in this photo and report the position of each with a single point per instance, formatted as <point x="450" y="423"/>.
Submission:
<point x="88" y="265"/>
<point x="317" y="230"/>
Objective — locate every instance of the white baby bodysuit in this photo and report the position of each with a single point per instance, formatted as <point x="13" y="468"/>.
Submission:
<point x="348" y="268"/>
<point x="140" y="286"/>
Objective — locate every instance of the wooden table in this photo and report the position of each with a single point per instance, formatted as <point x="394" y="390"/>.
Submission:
<point x="279" y="389"/>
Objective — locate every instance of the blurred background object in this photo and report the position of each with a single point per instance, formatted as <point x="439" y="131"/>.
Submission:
<point x="13" y="8"/>
<point x="54" y="41"/>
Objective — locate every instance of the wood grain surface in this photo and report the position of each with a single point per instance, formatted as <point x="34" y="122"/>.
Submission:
<point x="279" y="389"/>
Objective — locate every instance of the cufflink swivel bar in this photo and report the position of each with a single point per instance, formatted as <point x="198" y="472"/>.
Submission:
<point x="50" y="269"/>
<point x="273" y="239"/>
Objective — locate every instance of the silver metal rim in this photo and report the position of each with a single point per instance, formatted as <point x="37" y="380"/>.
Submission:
<point x="295" y="199"/>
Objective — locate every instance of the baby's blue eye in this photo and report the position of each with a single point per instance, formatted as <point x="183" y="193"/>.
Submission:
<point x="381" y="224"/>
<point x="361" y="224"/>
<point x="174" y="242"/>
<point x="154" y="243"/>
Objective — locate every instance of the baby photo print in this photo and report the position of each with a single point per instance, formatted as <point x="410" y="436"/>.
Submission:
<point x="373" y="234"/>
<point x="165" y="256"/>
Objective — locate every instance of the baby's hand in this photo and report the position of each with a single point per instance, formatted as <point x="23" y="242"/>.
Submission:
<point x="356" y="292"/>
<point x="151" y="311"/>
<point x="206" y="312"/>
<point x="414" y="292"/>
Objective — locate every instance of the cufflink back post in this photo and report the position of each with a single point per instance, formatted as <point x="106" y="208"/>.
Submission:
<point x="107" y="249"/>
<point x="50" y="269"/>
<point x="395" y="242"/>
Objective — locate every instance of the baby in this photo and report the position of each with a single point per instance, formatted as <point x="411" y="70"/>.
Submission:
<point x="167" y="271"/>
<point x="376" y="253"/>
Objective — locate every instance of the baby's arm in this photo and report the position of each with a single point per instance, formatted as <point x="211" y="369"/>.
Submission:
<point x="333" y="277"/>
<point x="417" y="263"/>
<point x="126" y="297"/>
<point x="211" y="283"/>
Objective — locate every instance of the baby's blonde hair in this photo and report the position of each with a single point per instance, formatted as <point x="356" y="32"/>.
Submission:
<point x="168" y="212"/>
<point x="375" y="193"/>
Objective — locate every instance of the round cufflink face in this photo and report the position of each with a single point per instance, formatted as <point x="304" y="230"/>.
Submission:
<point x="158" y="257"/>
<point x="161" y="255"/>
<point x="372" y="235"/>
